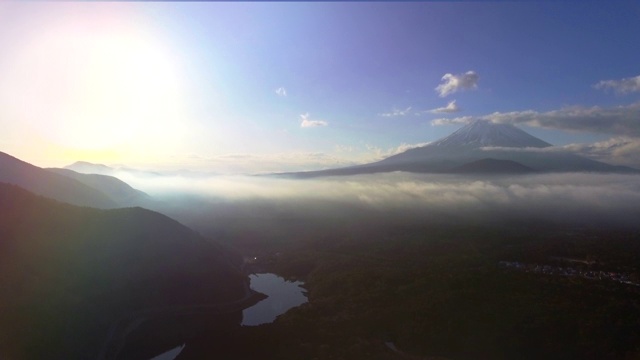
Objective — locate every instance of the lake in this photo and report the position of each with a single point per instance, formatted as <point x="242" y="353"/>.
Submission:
<point x="283" y="295"/>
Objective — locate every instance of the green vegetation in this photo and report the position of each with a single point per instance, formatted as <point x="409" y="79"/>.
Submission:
<point x="427" y="286"/>
<point x="437" y="291"/>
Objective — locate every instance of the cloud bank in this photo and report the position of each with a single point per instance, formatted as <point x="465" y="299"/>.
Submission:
<point x="617" y="150"/>
<point x="621" y="150"/>
<point x="623" y="86"/>
<point x="619" y="120"/>
<point x="589" y="198"/>
<point x="453" y="83"/>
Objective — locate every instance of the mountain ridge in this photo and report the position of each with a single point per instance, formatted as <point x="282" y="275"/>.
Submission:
<point x="51" y="184"/>
<point x="85" y="167"/>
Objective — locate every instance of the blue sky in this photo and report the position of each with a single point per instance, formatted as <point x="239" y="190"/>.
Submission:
<point x="251" y="87"/>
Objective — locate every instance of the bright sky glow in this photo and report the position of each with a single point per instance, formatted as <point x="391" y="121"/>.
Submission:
<point x="251" y="87"/>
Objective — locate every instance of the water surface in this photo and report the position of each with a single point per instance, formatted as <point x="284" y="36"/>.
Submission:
<point x="283" y="295"/>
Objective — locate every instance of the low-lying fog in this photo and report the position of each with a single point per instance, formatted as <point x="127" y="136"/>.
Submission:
<point x="582" y="197"/>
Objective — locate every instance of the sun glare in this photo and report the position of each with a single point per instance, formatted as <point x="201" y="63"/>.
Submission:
<point x="98" y="88"/>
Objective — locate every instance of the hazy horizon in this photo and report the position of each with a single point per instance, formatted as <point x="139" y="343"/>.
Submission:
<point x="594" y="199"/>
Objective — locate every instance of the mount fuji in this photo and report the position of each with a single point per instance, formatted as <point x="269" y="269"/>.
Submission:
<point x="479" y="147"/>
<point x="480" y="133"/>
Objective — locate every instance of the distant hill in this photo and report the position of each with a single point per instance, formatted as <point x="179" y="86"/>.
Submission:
<point x="51" y="184"/>
<point x="90" y="168"/>
<point x="67" y="272"/>
<point x="85" y="167"/>
<point x="119" y="191"/>
<point x="492" y="166"/>
<point x="473" y="142"/>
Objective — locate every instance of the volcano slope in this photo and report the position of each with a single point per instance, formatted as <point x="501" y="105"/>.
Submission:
<point x="477" y="141"/>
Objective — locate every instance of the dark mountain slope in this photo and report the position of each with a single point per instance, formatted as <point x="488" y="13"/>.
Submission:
<point x="67" y="272"/>
<point x="52" y="185"/>
<point x="119" y="191"/>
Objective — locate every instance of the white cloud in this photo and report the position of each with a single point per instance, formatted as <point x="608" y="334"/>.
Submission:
<point x="396" y="112"/>
<point x="450" y="108"/>
<point x="619" y="120"/>
<point x="453" y="83"/>
<point x="344" y="148"/>
<point x="404" y="147"/>
<point x="458" y="120"/>
<point x="281" y="92"/>
<point x="306" y="122"/>
<point x="378" y="153"/>
<point x="622" y="86"/>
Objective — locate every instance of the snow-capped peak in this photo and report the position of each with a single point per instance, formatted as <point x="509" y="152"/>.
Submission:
<point x="481" y="133"/>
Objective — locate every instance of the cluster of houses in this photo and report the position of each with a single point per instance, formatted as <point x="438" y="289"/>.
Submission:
<point x="620" y="277"/>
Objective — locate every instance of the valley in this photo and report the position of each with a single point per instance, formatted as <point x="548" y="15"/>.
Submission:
<point x="315" y="180"/>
